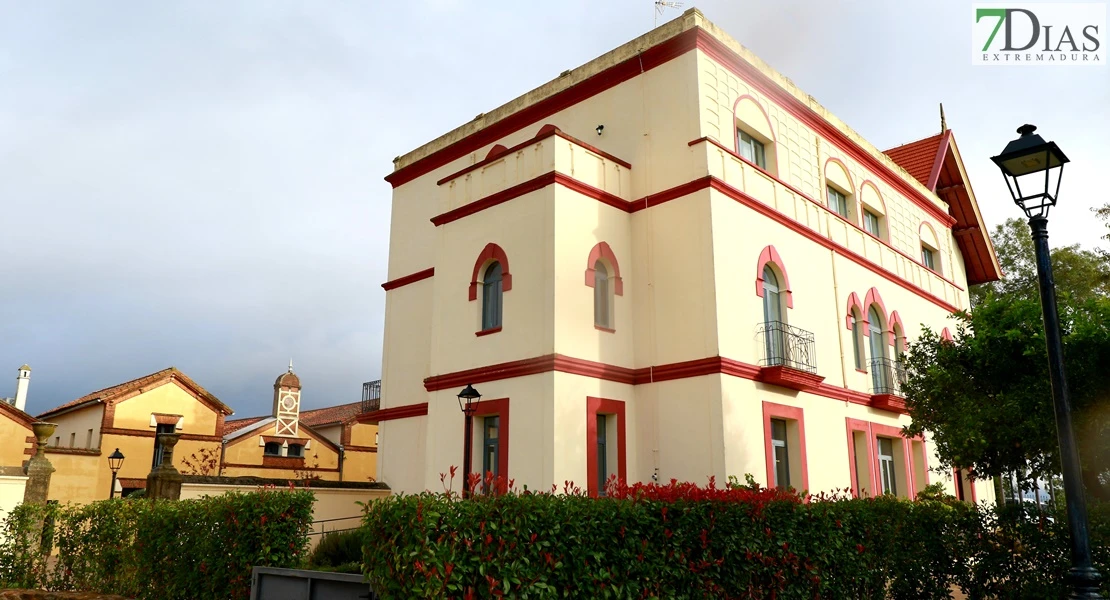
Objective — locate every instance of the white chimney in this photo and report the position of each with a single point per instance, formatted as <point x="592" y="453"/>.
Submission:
<point x="21" y="384"/>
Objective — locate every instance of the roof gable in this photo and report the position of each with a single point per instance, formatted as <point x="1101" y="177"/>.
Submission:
<point x="17" y="415"/>
<point x="935" y="162"/>
<point x="156" y="379"/>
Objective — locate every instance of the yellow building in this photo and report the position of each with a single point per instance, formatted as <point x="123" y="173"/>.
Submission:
<point x="129" y="416"/>
<point x="670" y="263"/>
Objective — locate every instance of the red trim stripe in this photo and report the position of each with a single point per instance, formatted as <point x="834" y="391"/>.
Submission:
<point x="536" y="183"/>
<point x="407" y="279"/>
<point x="541" y="136"/>
<point x="587" y="368"/>
<point x="609" y="78"/>
<point x="719" y="52"/>
<point x="394" y="412"/>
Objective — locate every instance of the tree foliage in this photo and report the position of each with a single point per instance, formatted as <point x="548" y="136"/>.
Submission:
<point x="985" y="399"/>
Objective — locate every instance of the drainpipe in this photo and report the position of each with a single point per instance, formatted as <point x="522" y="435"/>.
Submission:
<point x="223" y="453"/>
<point x="341" y="455"/>
<point x="839" y="332"/>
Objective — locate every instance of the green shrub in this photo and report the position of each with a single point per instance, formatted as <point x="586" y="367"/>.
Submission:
<point x="157" y="549"/>
<point x="685" y="541"/>
<point x="339" y="551"/>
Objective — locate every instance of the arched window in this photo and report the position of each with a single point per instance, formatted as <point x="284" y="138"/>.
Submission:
<point x="272" y="449"/>
<point x="602" y="299"/>
<point x="773" y="318"/>
<point x="880" y="378"/>
<point x="857" y="339"/>
<point x="295" y="451"/>
<point x="491" y="296"/>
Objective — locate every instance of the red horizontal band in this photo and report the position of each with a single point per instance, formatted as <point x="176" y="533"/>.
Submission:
<point x="407" y="279"/>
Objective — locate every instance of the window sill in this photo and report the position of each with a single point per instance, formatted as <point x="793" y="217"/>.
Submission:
<point x="605" y="329"/>
<point x="864" y="371"/>
<point x="488" y="331"/>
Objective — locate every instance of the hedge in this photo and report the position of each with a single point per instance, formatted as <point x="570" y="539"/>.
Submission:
<point x="143" y="549"/>
<point x="684" y="541"/>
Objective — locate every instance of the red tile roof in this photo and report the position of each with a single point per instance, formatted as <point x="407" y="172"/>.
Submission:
<point x="237" y="424"/>
<point x="143" y="382"/>
<point x="331" y="414"/>
<point x="919" y="158"/>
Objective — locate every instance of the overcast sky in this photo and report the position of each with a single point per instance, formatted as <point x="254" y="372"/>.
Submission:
<point x="200" y="184"/>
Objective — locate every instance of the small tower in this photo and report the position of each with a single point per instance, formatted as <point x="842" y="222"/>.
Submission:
<point x="287" y="402"/>
<point x="22" y="382"/>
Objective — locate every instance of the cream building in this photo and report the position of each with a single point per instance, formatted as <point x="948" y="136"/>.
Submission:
<point x="670" y="263"/>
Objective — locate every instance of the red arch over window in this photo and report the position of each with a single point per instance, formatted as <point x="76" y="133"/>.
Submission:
<point x="853" y="305"/>
<point x="491" y="253"/>
<point x="946" y="335"/>
<point x="873" y="297"/>
<point x="602" y="250"/>
<point x="496" y="151"/>
<point x="774" y="138"/>
<point x="770" y="255"/>
<point x="895" y="319"/>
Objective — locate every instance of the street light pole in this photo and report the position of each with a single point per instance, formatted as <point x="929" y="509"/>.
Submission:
<point x="1084" y="578"/>
<point x="115" y="462"/>
<point x="468" y="403"/>
<point x="1030" y="155"/>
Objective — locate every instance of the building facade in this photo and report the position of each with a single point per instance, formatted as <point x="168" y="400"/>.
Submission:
<point x="130" y="415"/>
<point x="670" y="263"/>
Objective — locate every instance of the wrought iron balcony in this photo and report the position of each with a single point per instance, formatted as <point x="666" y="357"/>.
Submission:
<point x="887" y="377"/>
<point x="787" y="346"/>
<point x="371" y="395"/>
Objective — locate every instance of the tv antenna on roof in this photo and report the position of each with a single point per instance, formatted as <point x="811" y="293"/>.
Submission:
<point x="662" y="5"/>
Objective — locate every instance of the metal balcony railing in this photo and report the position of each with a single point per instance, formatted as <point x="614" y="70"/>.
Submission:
<point x="787" y="346"/>
<point x="887" y="376"/>
<point x="371" y="395"/>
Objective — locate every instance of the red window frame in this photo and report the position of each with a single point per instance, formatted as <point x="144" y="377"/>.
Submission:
<point x="787" y="413"/>
<point x="499" y="408"/>
<point x="603" y="406"/>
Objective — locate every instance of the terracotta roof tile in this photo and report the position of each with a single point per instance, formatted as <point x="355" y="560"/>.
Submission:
<point x="917" y="158"/>
<point x="331" y="414"/>
<point x="123" y="388"/>
<point x="237" y="424"/>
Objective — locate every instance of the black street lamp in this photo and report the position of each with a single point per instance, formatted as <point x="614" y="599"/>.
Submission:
<point x="1023" y="161"/>
<point x="115" y="461"/>
<point x="468" y="404"/>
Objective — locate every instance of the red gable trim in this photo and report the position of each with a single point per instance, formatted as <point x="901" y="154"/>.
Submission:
<point x="609" y="78"/>
<point x="938" y="162"/>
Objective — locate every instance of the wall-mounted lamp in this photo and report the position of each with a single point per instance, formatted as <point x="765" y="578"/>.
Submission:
<point x="599" y="129"/>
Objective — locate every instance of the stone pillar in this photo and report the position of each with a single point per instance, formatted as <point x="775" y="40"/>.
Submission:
<point x="39" y="468"/>
<point x="164" y="481"/>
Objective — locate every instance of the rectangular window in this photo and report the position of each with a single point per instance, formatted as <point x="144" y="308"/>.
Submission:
<point x="491" y="450"/>
<point x="58" y="442"/>
<point x="928" y="258"/>
<point x="605" y="443"/>
<point x="602" y="456"/>
<point x="751" y="149"/>
<point x="838" y="202"/>
<point x="271" y="449"/>
<point x="88" y="440"/>
<point x="162" y="428"/>
<point x="886" y="466"/>
<point x="73" y="439"/>
<point x="782" y="457"/>
<point x="295" y="451"/>
<point x="871" y="223"/>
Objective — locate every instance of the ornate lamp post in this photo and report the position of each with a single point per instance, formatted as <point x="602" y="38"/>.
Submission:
<point x="468" y="404"/>
<point x="1023" y="161"/>
<point x="115" y="461"/>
